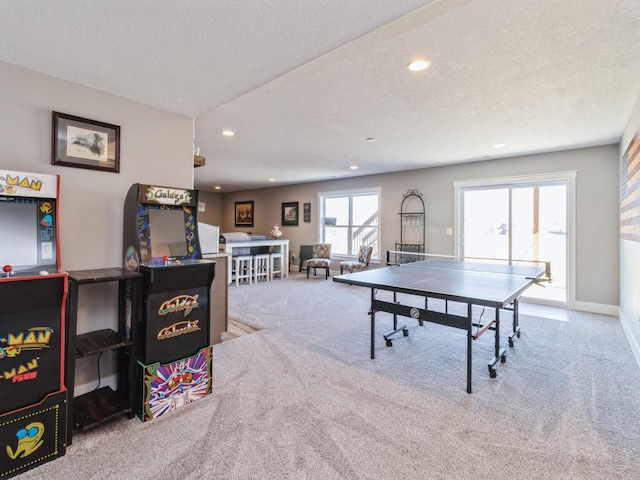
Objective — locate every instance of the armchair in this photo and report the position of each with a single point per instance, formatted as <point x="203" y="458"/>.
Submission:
<point x="364" y="257"/>
<point x="321" y="259"/>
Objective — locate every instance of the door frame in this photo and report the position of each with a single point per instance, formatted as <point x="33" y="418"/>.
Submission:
<point x="567" y="176"/>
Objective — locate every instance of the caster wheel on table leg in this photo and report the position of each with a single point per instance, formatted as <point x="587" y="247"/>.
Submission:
<point x="405" y="333"/>
<point x="492" y="372"/>
<point x="389" y="343"/>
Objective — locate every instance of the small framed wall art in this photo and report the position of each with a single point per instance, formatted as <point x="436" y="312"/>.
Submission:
<point x="244" y="214"/>
<point x="290" y="214"/>
<point x="306" y="212"/>
<point x="83" y="143"/>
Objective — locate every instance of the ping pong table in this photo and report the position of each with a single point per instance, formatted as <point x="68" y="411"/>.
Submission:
<point x="494" y="286"/>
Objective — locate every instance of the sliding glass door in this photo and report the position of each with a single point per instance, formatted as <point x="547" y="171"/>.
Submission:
<point x="519" y="222"/>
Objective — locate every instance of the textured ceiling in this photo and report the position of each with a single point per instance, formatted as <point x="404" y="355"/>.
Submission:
<point x="304" y="83"/>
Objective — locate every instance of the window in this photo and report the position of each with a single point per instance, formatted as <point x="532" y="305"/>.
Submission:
<point x="349" y="220"/>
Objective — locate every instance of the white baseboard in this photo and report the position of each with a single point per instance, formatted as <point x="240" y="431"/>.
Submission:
<point x="633" y="343"/>
<point x="600" y="308"/>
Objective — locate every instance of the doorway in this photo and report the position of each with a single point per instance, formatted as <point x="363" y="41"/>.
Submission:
<point x="523" y="220"/>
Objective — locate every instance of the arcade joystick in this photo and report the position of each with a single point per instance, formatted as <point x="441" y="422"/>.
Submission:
<point x="166" y="260"/>
<point x="8" y="269"/>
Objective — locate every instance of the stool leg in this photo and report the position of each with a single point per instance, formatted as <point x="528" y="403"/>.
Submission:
<point x="237" y="270"/>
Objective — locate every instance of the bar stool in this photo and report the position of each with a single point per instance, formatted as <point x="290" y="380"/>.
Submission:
<point x="261" y="267"/>
<point x="275" y="267"/>
<point x="243" y="268"/>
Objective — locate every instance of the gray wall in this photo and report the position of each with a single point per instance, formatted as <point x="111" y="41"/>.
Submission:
<point x="156" y="148"/>
<point x="213" y="208"/>
<point x="630" y="260"/>
<point x="597" y="192"/>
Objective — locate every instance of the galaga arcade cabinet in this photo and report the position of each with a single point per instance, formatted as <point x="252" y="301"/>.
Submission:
<point x="161" y="241"/>
<point x="33" y="293"/>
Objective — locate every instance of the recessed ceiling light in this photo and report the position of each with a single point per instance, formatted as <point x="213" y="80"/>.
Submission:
<point x="228" y="133"/>
<point x="419" y="65"/>
<point x="353" y="167"/>
<point x="500" y="145"/>
<point x="217" y="187"/>
<point x="272" y="179"/>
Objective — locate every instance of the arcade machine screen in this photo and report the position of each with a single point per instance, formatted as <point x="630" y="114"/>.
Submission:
<point x="18" y="244"/>
<point x="27" y="244"/>
<point x="167" y="229"/>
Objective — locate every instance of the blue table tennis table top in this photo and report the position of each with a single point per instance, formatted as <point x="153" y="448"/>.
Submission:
<point x="489" y="284"/>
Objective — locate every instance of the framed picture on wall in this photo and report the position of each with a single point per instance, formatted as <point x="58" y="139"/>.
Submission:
<point x="83" y="143"/>
<point x="244" y="214"/>
<point x="290" y="214"/>
<point x="306" y="212"/>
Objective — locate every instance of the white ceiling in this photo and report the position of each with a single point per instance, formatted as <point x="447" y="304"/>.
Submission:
<point x="304" y="83"/>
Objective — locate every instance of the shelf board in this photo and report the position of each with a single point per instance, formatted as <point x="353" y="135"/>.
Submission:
<point x="99" y="341"/>
<point x="100" y="275"/>
<point x="97" y="407"/>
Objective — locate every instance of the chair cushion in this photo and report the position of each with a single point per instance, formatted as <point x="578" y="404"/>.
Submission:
<point x="319" y="262"/>
<point x="353" y="266"/>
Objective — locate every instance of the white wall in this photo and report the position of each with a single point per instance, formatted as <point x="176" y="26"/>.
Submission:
<point x="156" y="148"/>
<point x="630" y="260"/>
<point x="597" y="209"/>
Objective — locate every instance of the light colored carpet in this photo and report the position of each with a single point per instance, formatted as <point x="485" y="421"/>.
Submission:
<point x="300" y="399"/>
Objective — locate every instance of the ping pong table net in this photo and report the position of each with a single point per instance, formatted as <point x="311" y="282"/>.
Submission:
<point x="395" y="257"/>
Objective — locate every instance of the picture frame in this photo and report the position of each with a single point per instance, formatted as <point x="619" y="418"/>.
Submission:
<point x="290" y="214"/>
<point x="84" y="143"/>
<point x="306" y="212"/>
<point x="244" y="214"/>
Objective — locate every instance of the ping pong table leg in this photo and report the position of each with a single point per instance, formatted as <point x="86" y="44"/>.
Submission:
<point x="469" y="345"/>
<point x="395" y="315"/>
<point x="373" y="325"/>
<point x="500" y="354"/>
<point x="405" y="331"/>
<point x="516" y="323"/>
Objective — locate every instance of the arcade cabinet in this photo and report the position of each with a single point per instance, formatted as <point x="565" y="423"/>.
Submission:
<point x="161" y="241"/>
<point x="33" y="292"/>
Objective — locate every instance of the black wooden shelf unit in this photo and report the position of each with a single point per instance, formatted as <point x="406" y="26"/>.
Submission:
<point x="103" y="404"/>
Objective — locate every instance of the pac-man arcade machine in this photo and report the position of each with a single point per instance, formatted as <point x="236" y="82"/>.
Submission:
<point x="33" y="292"/>
<point x="161" y="241"/>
